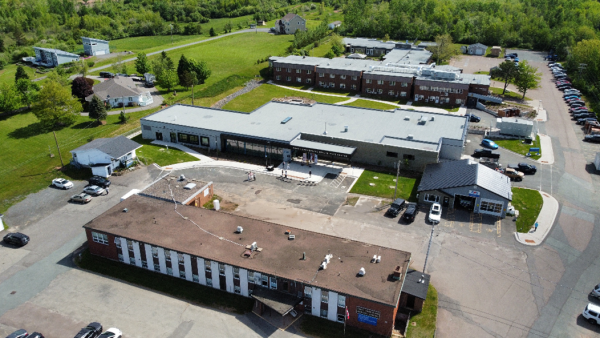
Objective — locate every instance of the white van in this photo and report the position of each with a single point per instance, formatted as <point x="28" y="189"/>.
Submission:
<point x="592" y="313"/>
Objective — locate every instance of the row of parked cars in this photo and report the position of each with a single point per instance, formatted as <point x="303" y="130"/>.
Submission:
<point x="412" y="209"/>
<point x="97" y="186"/>
<point x="93" y="330"/>
<point x="572" y="96"/>
<point x="516" y="172"/>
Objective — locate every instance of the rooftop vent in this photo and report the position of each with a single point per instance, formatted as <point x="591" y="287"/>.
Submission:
<point x="181" y="177"/>
<point x="190" y="186"/>
<point x="397" y="272"/>
<point x="286" y="120"/>
<point x="410" y="136"/>
<point x="422" y="120"/>
<point x="125" y="210"/>
<point x="432" y="118"/>
<point x="406" y="118"/>
<point x="291" y="237"/>
<point x="362" y="272"/>
<point x="378" y="259"/>
<point x="253" y="247"/>
<point x="346" y="129"/>
<point x="374" y="259"/>
<point x="239" y="230"/>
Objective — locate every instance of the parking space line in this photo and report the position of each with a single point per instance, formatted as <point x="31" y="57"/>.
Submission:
<point x="499" y="227"/>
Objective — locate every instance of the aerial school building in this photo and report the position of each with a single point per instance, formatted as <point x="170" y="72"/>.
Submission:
<point x="288" y="272"/>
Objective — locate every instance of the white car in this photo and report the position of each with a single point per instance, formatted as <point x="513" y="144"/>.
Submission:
<point x="592" y="313"/>
<point x="61" y="183"/>
<point x="435" y="213"/>
<point x="113" y="332"/>
<point x="94" y="190"/>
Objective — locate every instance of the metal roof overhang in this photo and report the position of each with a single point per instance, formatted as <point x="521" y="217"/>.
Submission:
<point x="323" y="148"/>
<point x="281" y="302"/>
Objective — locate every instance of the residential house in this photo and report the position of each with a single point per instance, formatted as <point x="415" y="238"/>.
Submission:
<point x="104" y="155"/>
<point x="93" y="46"/>
<point x="290" y="23"/>
<point x="121" y="92"/>
<point x="49" y="57"/>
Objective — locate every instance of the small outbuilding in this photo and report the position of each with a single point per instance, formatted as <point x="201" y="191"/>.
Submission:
<point x="474" y="49"/>
<point x="334" y="24"/>
<point x="104" y="155"/>
<point x="514" y="127"/>
<point x="466" y="184"/>
<point x="93" y="46"/>
<point x="414" y="290"/>
<point x="496" y="51"/>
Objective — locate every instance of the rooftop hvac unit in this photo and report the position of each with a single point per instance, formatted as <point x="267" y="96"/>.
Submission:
<point x="374" y="259"/>
<point x="323" y="265"/>
<point x="362" y="272"/>
<point x="346" y="129"/>
<point x="181" y="177"/>
<point x="253" y="247"/>
<point x="189" y="186"/>
<point x="239" y="230"/>
<point x="410" y="136"/>
<point x="378" y="259"/>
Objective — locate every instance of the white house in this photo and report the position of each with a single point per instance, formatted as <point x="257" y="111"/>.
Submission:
<point x="121" y="92"/>
<point x="104" y="155"/>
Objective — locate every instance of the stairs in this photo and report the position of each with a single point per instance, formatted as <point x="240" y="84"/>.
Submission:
<point x="487" y="98"/>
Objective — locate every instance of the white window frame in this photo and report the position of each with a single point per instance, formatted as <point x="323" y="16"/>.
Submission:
<point x="458" y="101"/>
<point x="196" y="278"/>
<point x="343" y="77"/>
<point x="207" y="267"/>
<point x="355" y="78"/>
<point x="308" y="71"/>
<point x="167" y="255"/>
<point x="321" y="74"/>
<point x="403" y="94"/>
<point x="298" y="71"/>
<point x="289" y="70"/>
<point x="131" y="260"/>
<point x="325" y="297"/>
<point x="380" y="91"/>
<point x="208" y="281"/>
<point x="404" y="84"/>
<point x="390" y="92"/>
<point x="129" y="245"/>
<point x="342" y="86"/>
<point x="221" y="269"/>
<point x="181" y="273"/>
<point x="100" y="238"/>
<point x="380" y="82"/>
<point x="250" y="276"/>
<point x="332" y="84"/>
<point x="237" y="289"/>
<point x="392" y="83"/>
<point x="236" y="272"/>
<point x="299" y="79"/>
<point x="278" y="69"/>
<point x="273" y="283"/>
<point x="307" y="292"/>
<point x="170" y="271"/>
<point x="353" y="87"/>
<point x="432" y="198"/>
<point x="308" y="80"/>
<point x="180" y="258"/>
<point x="332" y="76"/>
<point x="369" y="81"/>
<point x="278" y="77"/>
<point x="288" y="78"/>
<point x="341" y="301"/>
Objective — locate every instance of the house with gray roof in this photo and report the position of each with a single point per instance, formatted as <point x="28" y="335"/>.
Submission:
<point x="289" y="24"/>
<point x="49" y="57"/>
<point x="474" y="49"/>
<point x="466" y="184"/>
<point x="93" y="46"/>
<point x="121" y="92"/>
<point x="104" y="155"/>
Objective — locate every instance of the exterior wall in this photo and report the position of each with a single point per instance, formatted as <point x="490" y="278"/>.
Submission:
<point x="202" y="197"/>
<point x="508" y="126"/>
<point x="294" y="24"/>
<point x="289" y="75"/>
<point x="418" y="302"/>
<point x="143" y="99"/>
<point x="479" y="89"/>
<point x="95" y="47"/>
<point x="336" y="82"/>
<point x="402" y="87"/>
<point x="150" y="128"/>
<point x="430" y="96"/>
<point x="60" y="59"/>
<point x="385" y="322"/>
<point x="104" y="250"/>
<point x="464" y="191"/>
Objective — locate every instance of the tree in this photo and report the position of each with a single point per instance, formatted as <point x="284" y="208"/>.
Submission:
<point x="28" y="91"/>
<point x="2" y="48"/>
<point x="9" y="97"/>
<point x="165" y="72"/>
<point x="228" y="27"/>
<point x="444" y="50"/>
<point x="212" y="32"/>
<point x="337" y="46"/>
<point x="187" y="80"/>
<point x="97" y="109"/>
<point x="81" y="88"/>
<point x="527" y="77"/>
<point x="199" y="68"/>
<point x="119" y="66"/>
<point x="55" y="106"/>
<point x="61" y="78"/>
<point x="183" y="67"/>
<point x="330" y="54"/>
<point x="21" y="74"/>
<point x="507" y="72"/>
<point x="122" y="118"/>
<point x="142" y="65"/>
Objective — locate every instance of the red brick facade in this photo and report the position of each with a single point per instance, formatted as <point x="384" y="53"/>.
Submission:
<point x="388" y="86"/>
<point x="200" y="199"/>
<point x="297" y="76"/>
<point x="385" y="322"/>
<point x="336" y="79"/>
<point x="108" y="250"/>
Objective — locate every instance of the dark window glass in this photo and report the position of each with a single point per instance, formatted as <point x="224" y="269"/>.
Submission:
<point x="408" y="157"/>
<point x="205" y="141"/>
<point x="391" y="154"/>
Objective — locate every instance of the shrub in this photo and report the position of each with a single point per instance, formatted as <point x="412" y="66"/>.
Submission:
<point x="91" y="63"/>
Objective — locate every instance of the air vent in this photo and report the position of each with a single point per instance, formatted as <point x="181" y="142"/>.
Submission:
<point x="190" y="186"/>
<point x="407" y="118"/>
<point x="410" y="136"/>
<point x="286" y="120"/>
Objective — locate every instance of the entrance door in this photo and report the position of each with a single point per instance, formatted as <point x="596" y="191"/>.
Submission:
<point x="446" y="201"/>
<point x="173" y="138"/>
<point x="159" y="136"/>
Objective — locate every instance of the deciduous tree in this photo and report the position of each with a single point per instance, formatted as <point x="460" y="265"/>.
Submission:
<point x="28" y="91"/>
<point x="81" y="88"/>
<point x="165" y="71"/>
<point x="142" y="65"/>
<point x="55" y="106"/>
<point x="527" y="77"/>
<point x="444" y="49"/>
<point x="507" y="72"/>
<point x="9" y="97"/>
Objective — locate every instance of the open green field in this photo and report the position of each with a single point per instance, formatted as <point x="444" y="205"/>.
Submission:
<point x="508" y="94"/>
<point x="384" y="185"/>
<point x="425" y="321"/>
<point x="7" y="75"/>
<point x="529" y="203"/>
<point x="265" y="93"/>
<point x="27" y="165"/>
<point x="147" y="44"/>
<point x="521" y="148"/>
<point x="151" y="153"/>
<point x="370" y="104"/>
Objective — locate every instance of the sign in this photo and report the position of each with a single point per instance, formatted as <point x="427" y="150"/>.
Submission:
<point x="368" y="312"/>
<point x="367" y="319"/>
<point x="474" y="193"/>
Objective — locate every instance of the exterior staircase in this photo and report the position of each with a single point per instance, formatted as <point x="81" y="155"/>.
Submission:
<point x="487" y="98"/>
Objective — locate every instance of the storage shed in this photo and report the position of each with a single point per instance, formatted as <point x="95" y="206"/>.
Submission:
<point x="496" y="51"/>
<point x="514" y="126"/>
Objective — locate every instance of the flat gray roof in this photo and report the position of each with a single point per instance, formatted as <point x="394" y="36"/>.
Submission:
<point x="323" y="146"/>
<point x="56" y="51"/>
<point x="369" y="43"/>
<point x="411" y="56"/>
<point x="399" y="127"/>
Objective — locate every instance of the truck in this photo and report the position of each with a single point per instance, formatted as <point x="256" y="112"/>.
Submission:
<point x="513" y="174"/>
<point x="487" y="153"/>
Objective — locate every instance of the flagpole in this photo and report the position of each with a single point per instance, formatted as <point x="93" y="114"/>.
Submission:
<point x="346" y="315"/>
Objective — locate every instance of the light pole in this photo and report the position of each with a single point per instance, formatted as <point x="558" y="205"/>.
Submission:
<point x="397" y="174"/>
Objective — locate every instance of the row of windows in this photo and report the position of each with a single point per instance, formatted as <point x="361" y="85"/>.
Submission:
<point x="100" y="238"/>
<point x="289" y="78"/>
<point x="441" y="89"/>
<point x="324" y="296"/>
<point x="390" y="92"/>
<point x="404" y="156"/>
<point x="491" y="207"/>
<point x="332" y="85"/>
<point x="298" y="71"/>
<point x="440" y="100"/>
<point x="391" y="83"/>
<point x="343" y="77"/>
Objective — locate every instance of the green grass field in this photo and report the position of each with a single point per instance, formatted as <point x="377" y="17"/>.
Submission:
<point x="519" y="147"/>
<point x="7" y="75"/>
<point x="370" y="104"/>
<point x="385" y="185"/>
<point x="265" y="93"/>
<point x="426" y="320"/>
<point x="160" y="155"/>
<point x="529" y="203"/>
<point x="508" y="95"/>
<point x="28" y="166"/>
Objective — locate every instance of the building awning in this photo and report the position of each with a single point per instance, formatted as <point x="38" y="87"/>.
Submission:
<point x="281" y="302"/>
<point x="323" y="148"/>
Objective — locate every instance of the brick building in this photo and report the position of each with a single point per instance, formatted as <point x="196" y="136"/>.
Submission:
<point x="307" y="274"/>
<point x="184" y="190"/>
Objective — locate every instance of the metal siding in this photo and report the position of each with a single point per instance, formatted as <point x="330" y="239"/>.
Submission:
<point x="174" y="263"/>
<point x="201" y="271"/>
<point x="332" y="306"/>
<point x="149" y="257"/>
<point x="229" y="278"/>
<point x="214" y="267"/>
<point x="161" y="260"/>
<point x="244" y="282"/>
<point x="136" y="254"/>
<point x="187" y="263"/>
<point x="316" y="302"/>
<point x="124" y="250"/>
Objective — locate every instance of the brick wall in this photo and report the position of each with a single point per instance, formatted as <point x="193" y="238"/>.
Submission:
<point x="387" y="88"/>
<point x="199" y="200"/>
<point x="338" y="80"/>
<point x="282" y="72"/>
<point x="479" y="89"/>
<point x="105" y="250"/>
<point x="385" y="322"/>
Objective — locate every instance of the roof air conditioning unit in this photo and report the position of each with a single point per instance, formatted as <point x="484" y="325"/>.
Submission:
<point x="323" y="265"/>
<point x="410" y="136"/>
<point x="346" y="129"/>
<point x="378" y="259"/>
<point x="374" y="259"/>
<point x="253" y="246"/>
<point x="239" y="230"/>
<point x="362" y="272"/>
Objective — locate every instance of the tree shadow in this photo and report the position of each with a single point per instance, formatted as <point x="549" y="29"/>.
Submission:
<point x="85" y="125"/>
<point x="31" y="130"/>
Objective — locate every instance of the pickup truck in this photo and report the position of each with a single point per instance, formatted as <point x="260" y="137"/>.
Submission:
<point x="513" y="174"/>
<point x="478" y="153"/>
<point x="525" y="168"/>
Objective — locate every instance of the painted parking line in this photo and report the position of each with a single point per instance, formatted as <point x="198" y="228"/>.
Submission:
<point x="499" y="227"/>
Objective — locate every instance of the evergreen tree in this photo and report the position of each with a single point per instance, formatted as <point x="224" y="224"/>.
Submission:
<point x="212" y="32"/>
<point x="97" y="109"/>
<point x="2" y="50"/>
<point x="21" y="74"/>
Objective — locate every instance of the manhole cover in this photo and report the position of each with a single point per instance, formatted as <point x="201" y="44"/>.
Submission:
<point x="257" y="192"/>
<point x="294" y="201"/>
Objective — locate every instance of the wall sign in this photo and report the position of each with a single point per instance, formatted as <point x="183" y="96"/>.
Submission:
<point x="367" y="320"/>
<point x="367" y="316"/>
<point x="474" y="193"/>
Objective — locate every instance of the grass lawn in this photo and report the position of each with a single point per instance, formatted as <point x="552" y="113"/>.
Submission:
<point x="265" y="93"/>
<point x="425" y="104"/>
<point x="521" y="148"/>
<point x="407" y="187"/>
<point x="483" y="72"/>
<point x="151" y="153"/>
<point x="529" y="203"/>
<point x="7" y="75"/>
<point x="370" y="104"/>
<point x="323" y="328"/>
<point x="26" y="148"/>
<point x="508" y="95"/>
<point x="172" y="286"/>
<point x="426" y="320"/>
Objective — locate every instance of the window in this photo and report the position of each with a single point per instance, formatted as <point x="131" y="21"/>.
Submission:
<point x="324" y="297"/>
<point x="392" y="83"/>
<point x="100" y="238"/>
<point x="308" y="80"/>
<point x="323" y="313"/>
<point x="289" y="70"/>
<point x="274" y="283"/>
<point x="380" y="91"/>
<point x="307" y="310"/>
<point x="156" y="267"/>
<point x="236" y="273"/>
<point x="490" y="206"/>
<point x="278" y="78"/>
<point x="404" y="84"/>
<point x="307" y="292"/>
<point x="390" y="92"/>
<point x="403" y="94"/>
<point x="208" y="281"/>
<point x="342" y="86"/>
<point x="145" y="264"/>
<point x="169" y="271"/>
<point x="379" y="81"/>
<point x="353" y="87"/>
<point x="432" y="198"/>
<point x="130" y="98"/>
<point x="180" y="258"/>
<point x="181" y="274"/>
<point x="278" y="69"/>
<point x="120" y="258"/>
<point x="369" y="90"/>
<point x="195" y="278"/>
<point x="251" y="277"/>
<point x="321" y="74"/>
<point x="288" y="78"/>
<point x="368" y="81"/>
<point x="118" y="242"/>
<point x="308" y="71"/>
<point x="408" y="157"/>
<point x="221" y="269"/>
<point x="343" y="77"/>
<point x="204" y="141"/>
<point x="321" y="83"/>
<point x="298" y="71"/>
<point x="331" y="84"/>
<point x="423" y="87"/>
<point x="237" y="289"/>
<point x="341" y="301"/>
<point x="391" y="154"/>
<point x="332" y="76"/>
<point x="299" y="79"/>
<point x="131" y="260"/>
<point x="355" y="78"/>
<point x="340" y="318"/>
<point x="154" y="252"/>
<point x="458" y="101"/>
<point x="265" y="281"/>
<point x="130" y="245"/>
<point x="187" y="138"/>
<point x="167" y="255"/>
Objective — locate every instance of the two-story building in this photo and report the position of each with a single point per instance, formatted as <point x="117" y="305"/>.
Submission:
<point x="49" y="57"/>
<point x="290" y="23"/>
<point x="441" y="87"/>
<point x="93" y="46"/>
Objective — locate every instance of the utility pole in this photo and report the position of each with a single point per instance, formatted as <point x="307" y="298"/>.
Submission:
<point x="397" y="174"/>
<point x="57" y="147"/>
<point x="428" y="247"/>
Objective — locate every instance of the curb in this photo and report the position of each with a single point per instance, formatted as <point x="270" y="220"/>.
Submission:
<point x="531" y="241"/>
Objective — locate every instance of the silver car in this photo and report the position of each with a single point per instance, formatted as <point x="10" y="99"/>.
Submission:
<point x="94" y="190"/>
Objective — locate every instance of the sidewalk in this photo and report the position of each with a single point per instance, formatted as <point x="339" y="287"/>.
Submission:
<point x="547" y="151"/>
<point x="189" y="151"/>
<point x="545" y="222"/>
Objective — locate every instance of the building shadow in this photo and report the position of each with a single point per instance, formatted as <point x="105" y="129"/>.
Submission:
<point x="581" y="321"/>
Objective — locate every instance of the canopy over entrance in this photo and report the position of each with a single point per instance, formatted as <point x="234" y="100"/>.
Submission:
<point x="281" y="302"/>
<point x="323" y="148"/>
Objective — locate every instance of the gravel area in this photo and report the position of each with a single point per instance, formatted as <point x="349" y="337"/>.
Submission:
<point x="250" y="85"/>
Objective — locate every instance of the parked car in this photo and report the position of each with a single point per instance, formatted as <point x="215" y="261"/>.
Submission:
<point x="512" y="55"/>
<point x="473" y="118"/>
<point x="99" y="181"/>
<point x="36" y="335"/>
<point x="81" y="198"/>
<point x="395" y="207"/>
<point x="61" y="183"/>
<point x="513" y="174"/>
<point x="576" y="104"/>
<point x="16" y="238"/>
<point x="18" y="334"/>
<point x="485" y="153"/>
<point x="94" y="190"/>
<point x="107" y="75"/>
<point x="583" y="115"/>
<point x="93" y="330"/>
<point x="572" y="91"/>
<point x="559" y="82"/>
<point x="435" y="213"/>
<point x="575" y="110"/>
<point x="489" y="144"/>
<point x="571" y="96"/>
<point x="113" y="332"/>
<point x="574" y="99"/>
<point x="525" y="168"/>
<point x="592" y="138"/>
<point x="411" y="211"/>
<point x="494" y="165"/>
<point x="585" y="119"/>
<point x="595" y="291"/>
<point x="563" y="87"/>
<point x="592" y="313"/>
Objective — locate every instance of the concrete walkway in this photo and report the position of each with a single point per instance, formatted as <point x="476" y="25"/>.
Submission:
<point x="347" y="101"/>
<point x="547" y="150"/>
<point x="539" y="108"/>
<point x="545" y="222"/>
<point x="203" y="158"/>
